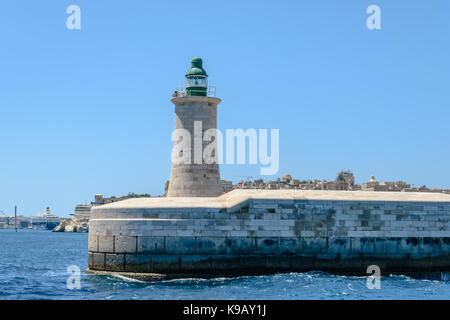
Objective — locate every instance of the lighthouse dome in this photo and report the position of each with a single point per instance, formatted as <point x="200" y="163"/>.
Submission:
<point x="196" y="68"/>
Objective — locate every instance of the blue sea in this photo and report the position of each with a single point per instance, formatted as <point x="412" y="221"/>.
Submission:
<point x="34" y="265"/>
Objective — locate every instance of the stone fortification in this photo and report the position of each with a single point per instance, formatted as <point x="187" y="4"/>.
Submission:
<point x="259" y="231"/>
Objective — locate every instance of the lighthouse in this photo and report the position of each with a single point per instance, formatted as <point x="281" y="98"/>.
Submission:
<point x="195" y="169"/>
<point x="195" y="232"/>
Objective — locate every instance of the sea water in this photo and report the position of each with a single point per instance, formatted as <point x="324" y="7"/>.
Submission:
<point x="34" y="265"/>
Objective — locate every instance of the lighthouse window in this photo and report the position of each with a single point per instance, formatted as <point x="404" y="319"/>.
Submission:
<point x="196" y="82"/>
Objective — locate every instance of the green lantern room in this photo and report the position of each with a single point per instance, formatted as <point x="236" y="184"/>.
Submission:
<point x="196" y="79"/>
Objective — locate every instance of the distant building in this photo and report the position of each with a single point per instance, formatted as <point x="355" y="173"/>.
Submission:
<point x="82" y="212"/>
<point x="371" y="185"/>
<point x="396" y="185"/>
<point x="345" y="181"/>
<point x="10" y="222"/>
<point x="226" y="185"/>
<point x="100" y="200"/>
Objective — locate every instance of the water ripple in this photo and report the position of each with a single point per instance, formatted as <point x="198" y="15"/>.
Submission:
<point x="33" y="265"/>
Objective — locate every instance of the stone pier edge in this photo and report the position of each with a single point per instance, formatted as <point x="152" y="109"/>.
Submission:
<point x="252" y="255"/>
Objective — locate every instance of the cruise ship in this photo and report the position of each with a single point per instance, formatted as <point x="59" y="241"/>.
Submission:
<point x="45" y="221"/>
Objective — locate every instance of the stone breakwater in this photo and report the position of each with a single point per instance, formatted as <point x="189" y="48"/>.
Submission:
<point x="263" y="231"/>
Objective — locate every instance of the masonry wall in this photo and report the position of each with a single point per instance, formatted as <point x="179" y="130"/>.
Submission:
<point x="197" y="178"/>
<point x="259" y="236"/>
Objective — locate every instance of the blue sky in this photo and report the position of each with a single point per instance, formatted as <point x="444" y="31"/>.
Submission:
<point x="88" y="111"/>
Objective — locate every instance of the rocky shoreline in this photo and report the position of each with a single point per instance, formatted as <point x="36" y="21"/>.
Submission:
<point x="72" y="225"/>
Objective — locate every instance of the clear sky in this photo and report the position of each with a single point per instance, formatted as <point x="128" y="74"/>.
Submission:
<point x="88" y="111"/>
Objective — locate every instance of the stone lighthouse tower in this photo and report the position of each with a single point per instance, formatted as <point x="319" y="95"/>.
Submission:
<point x="195" y="169"/>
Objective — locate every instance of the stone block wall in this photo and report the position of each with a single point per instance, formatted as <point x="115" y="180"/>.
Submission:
<point x="261" y="235"/>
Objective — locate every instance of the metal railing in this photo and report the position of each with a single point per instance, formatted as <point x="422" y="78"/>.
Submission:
<point x="181" y="91"/>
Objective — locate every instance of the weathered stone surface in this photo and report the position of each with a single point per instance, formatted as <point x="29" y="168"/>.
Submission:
<point x="314" y="245"/>
<point x="338" y="245"/>
<point x="304" y="262"/>
<point x="97" y="260"/>
<point x="254" y="263"/>
<point x="410" y="245"/>
<point x="93" y="243"/>
<point x="211" y="245"/>
<point x="196" y="263"/>
<point x="115" y="262"/>
<point x="366" y="245"/>
<point x="165" y="263"/>
<point x="334" y="231"/>
<point x="277" y="262"/>
<point x="137" y="263"/>
<point x="445" y="245"/>
<point x="327" y="261"/>
<point x="267" y="246"/>
<point x="385" y="246"/>
<point x="180" y="245"/>
<point x="197" y="178"/>
<point x="238" y="245"/>
<point x="150" y="244"/>
<point x="125" y="244"/>
<point x="224" y="263"/>
<point x="90" y="259"/>
<point x="430" y="246"/>
<point x="106" y="244"/>
<point x="290" y="245"/>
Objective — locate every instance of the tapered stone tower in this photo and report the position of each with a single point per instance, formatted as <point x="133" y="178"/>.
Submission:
<point x="195" y="169"/>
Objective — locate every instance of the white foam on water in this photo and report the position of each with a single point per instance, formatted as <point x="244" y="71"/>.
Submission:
<point x="128" y="279"/>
